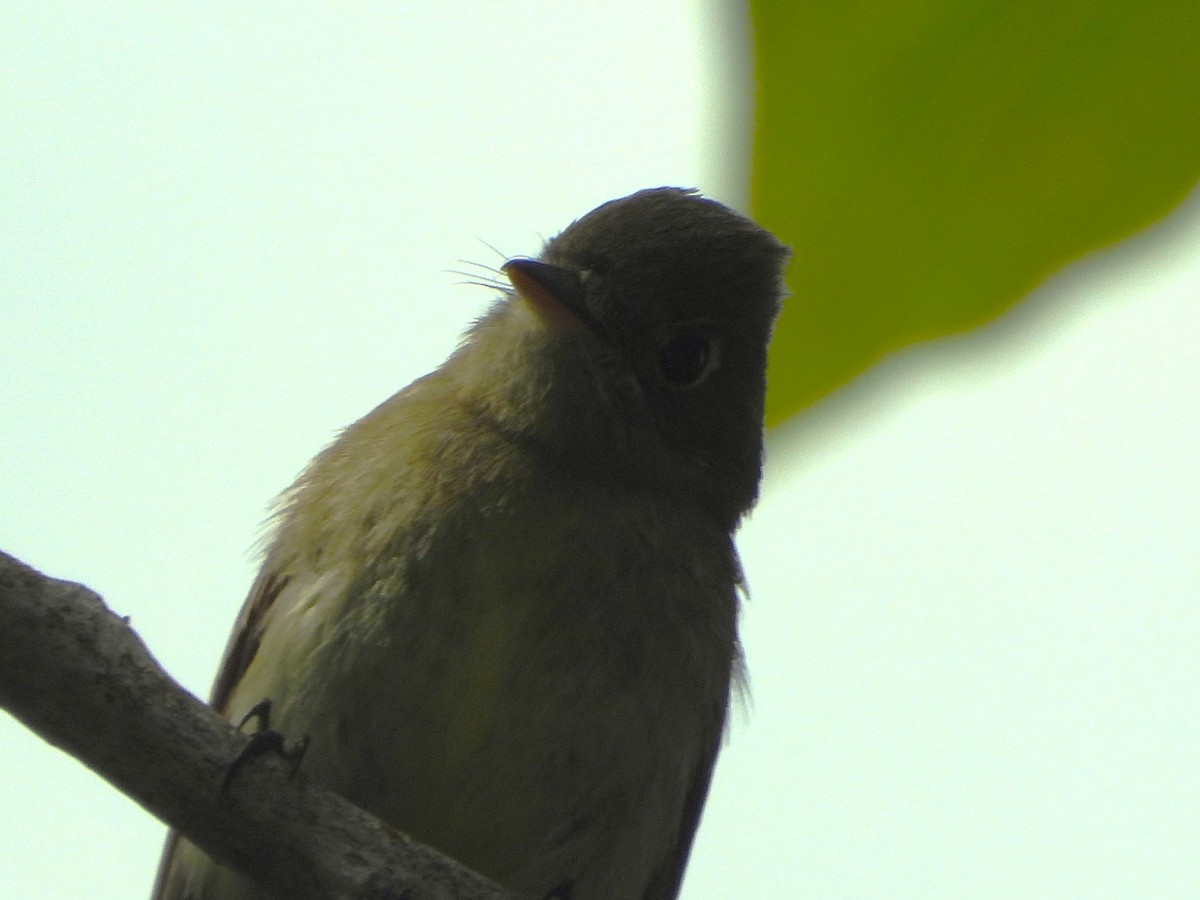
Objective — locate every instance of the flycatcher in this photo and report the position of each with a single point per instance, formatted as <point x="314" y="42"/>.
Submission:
<point x="503" y="605"/>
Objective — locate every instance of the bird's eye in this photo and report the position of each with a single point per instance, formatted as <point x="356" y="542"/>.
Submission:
<point x="686" y="359"/>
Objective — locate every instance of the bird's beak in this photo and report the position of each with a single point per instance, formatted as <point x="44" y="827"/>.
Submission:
<point x="554" y="293"/>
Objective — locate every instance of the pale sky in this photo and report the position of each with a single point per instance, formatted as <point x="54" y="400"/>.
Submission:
<point x="225" y="233"/>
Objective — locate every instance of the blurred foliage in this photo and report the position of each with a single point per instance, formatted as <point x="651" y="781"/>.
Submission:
<point x="930" y="161"/>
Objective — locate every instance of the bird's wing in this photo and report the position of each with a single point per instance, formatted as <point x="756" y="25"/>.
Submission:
<point x="247" y="633"/>
<point x="668" y="877"/>
<point x="243" y="644"/>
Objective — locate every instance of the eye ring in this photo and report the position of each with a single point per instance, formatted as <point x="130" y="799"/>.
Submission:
<point x="687" y="358"/>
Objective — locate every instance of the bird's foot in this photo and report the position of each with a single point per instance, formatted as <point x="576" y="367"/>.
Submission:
<point x="264" y="740"/>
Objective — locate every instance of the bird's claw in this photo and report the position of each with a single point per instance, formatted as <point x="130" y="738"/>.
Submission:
<point x="264" y="740"/>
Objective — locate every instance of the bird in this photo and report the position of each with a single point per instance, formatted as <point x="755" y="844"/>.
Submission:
<point x="501" y="608"/>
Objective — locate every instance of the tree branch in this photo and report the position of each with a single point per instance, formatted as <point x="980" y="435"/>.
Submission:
<point x="78" y="675"/>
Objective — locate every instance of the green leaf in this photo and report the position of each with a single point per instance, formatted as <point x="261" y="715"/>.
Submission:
<point x="930" y="161"/>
